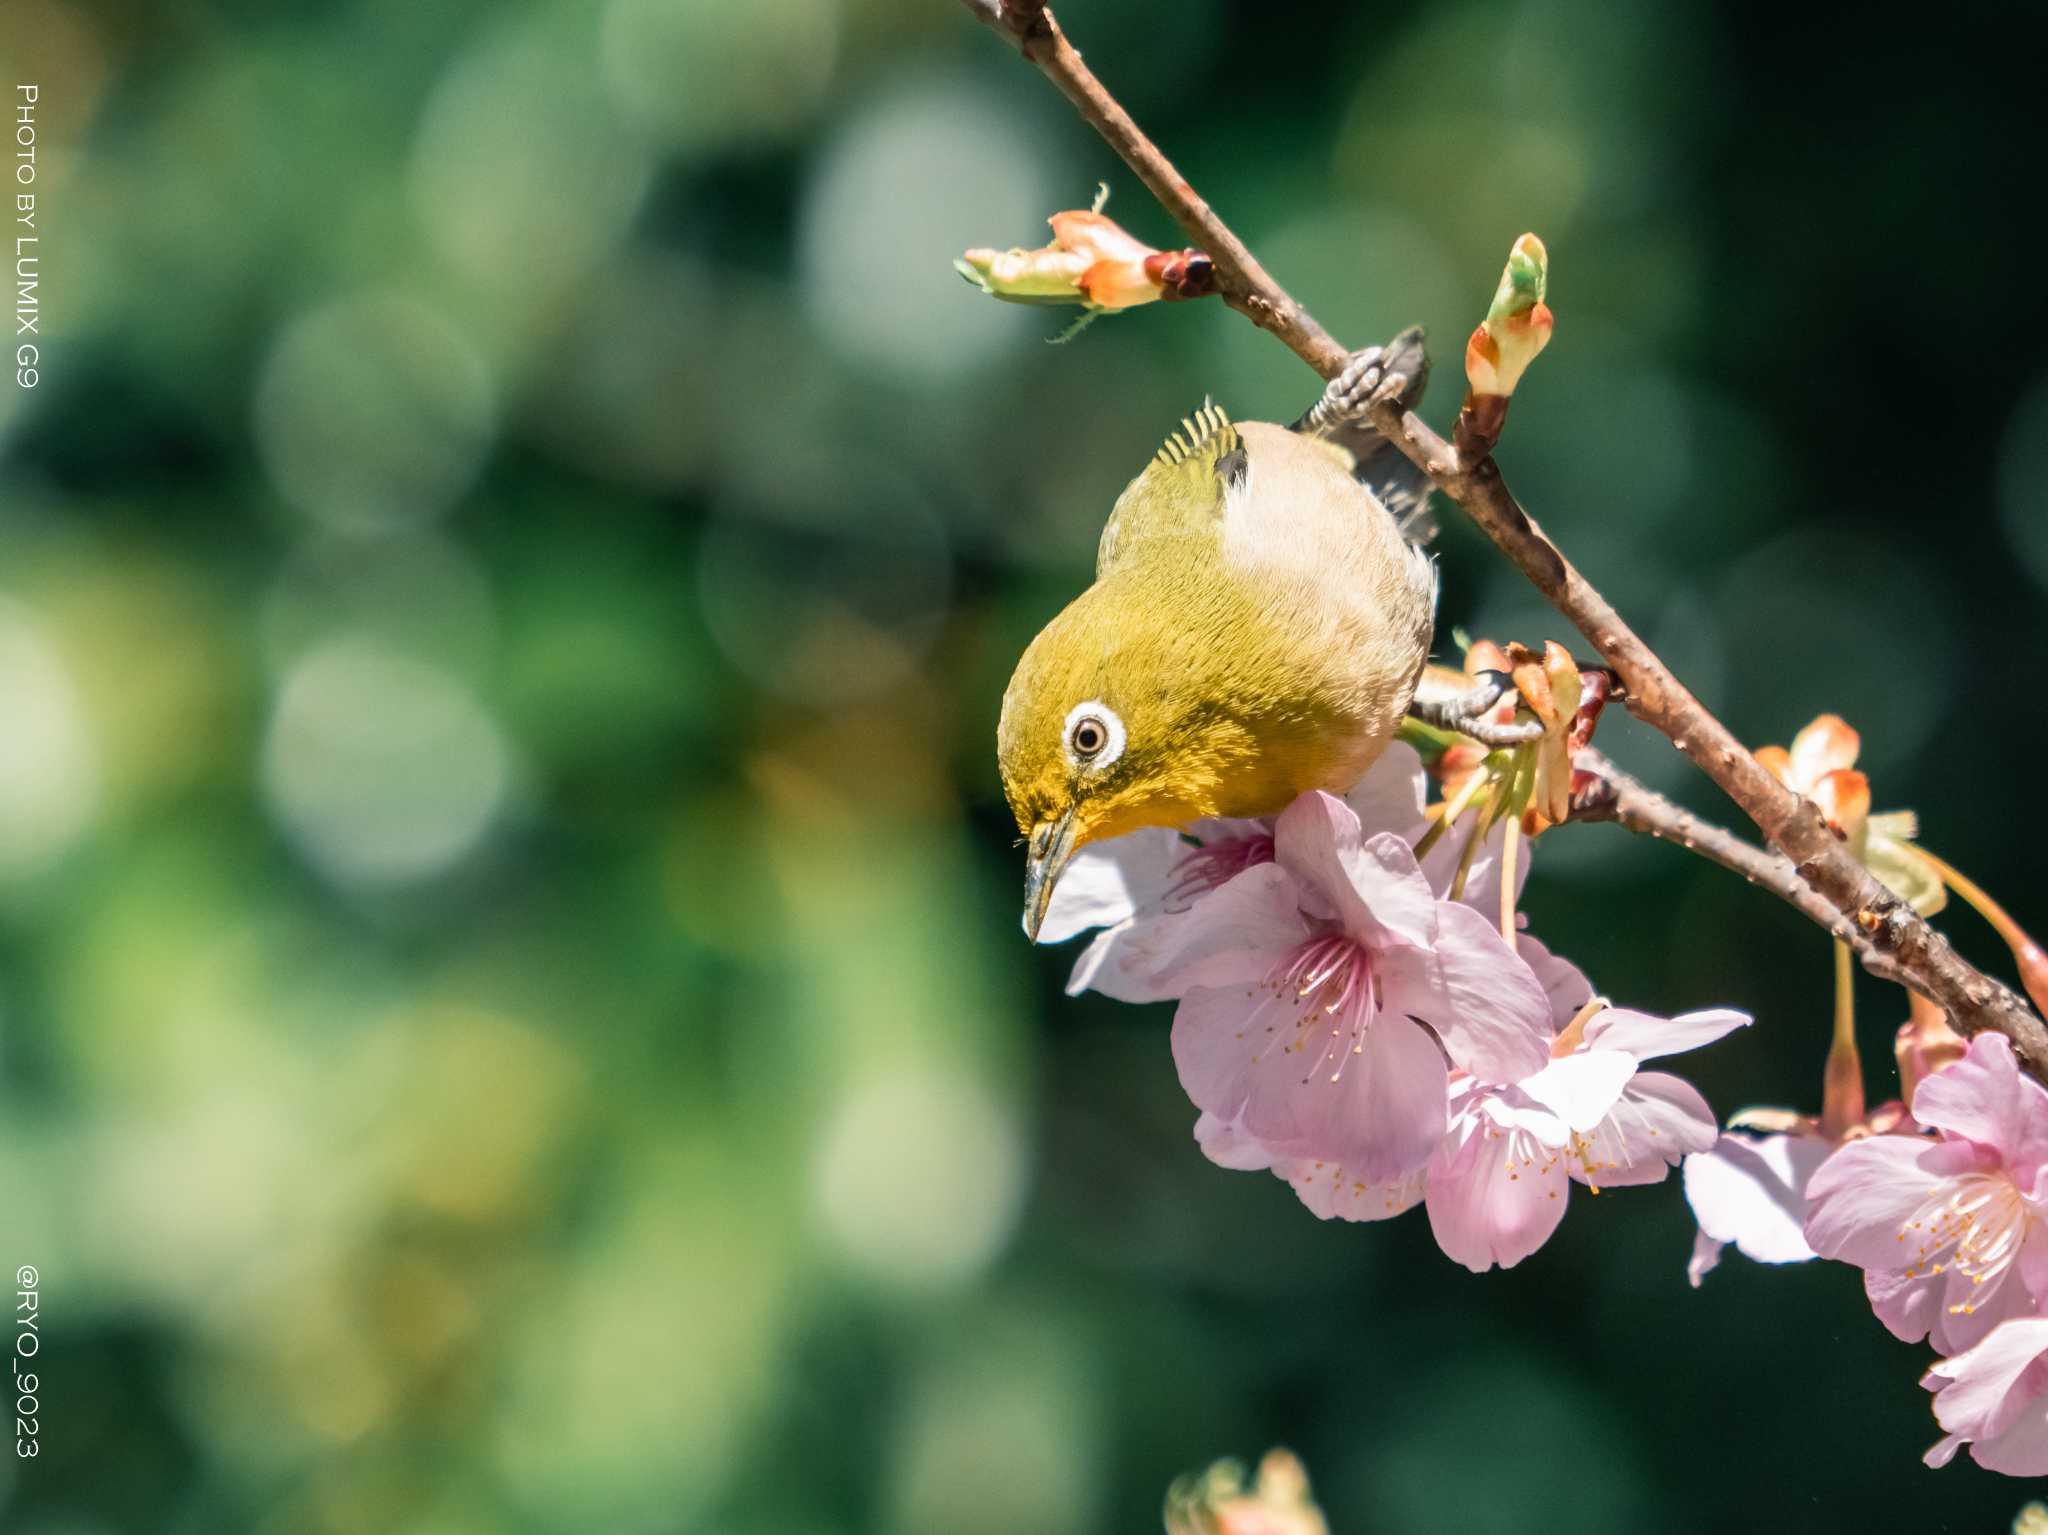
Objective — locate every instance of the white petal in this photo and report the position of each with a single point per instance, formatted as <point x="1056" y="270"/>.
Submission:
<point x="1752" y="1191"/>
<point x="1706" y="1257"/>
<point x="1109" y="881"/>
<point x="1580" y="1089"/>
<point x="1230" y="1145"/>
<point x="1658" y="1120"/>
<point x="1646" y="1036"/>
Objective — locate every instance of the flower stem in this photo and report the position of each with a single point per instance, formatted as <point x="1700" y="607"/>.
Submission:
<point x="1451" y="810"/>
<point x="1977" y="898"/>
<point x="1841" y="1099"/>
<point x="1483" y="823"/>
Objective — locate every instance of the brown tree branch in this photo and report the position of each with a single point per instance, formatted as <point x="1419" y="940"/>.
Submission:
<point x="1615" y="796"/>
<point x="1923" y="958"/>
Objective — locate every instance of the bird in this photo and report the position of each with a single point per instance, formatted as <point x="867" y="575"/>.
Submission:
<point x="1261" y="614"/>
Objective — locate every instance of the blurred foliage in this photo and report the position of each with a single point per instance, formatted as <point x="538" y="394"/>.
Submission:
<point x="511" y="1010"/>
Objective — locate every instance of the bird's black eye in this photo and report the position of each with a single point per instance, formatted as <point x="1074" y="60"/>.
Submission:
<point x="1089" y="737"/>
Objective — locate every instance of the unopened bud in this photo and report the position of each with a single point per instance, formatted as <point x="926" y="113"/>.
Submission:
<point x="1517" y="324"/>
<point x="1925" y="1044"/>
<point x="1092" y="261"/>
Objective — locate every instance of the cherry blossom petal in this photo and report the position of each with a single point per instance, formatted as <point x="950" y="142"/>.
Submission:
<point x="1706" y="1257"/>
<point x="1510" y="1108"/>
<point x="1659" y="1120"/>
<point x="1494" y="1197"/>
<point x="1563" y="982"/>
<point x="1580" y="1089"/>
<point x="1752" y="1191"/>
<point x="1371" y="883"/>
<point x="1232" y="936"/>
<point x="1477" y="994"/>
<point x="1120" y="962"/>
<point x="2033" y="1264"/>
<point x="1943" y="1450"/>
<point x="1396" y="1114"/>
<point x="1996" y="1394"/>
<point x="1109" y="881"/>
<point x="2021" y="1450"/>
<point x="1248" y="1057"/>
<point x="1909" y="1305"/>
<point x="1646" y="1036"/>
<point x="1393" y="794"/>
<point x="1970" y="1311"/>
<point x="1844" y="798"/>
<point x="1230" y="1145"/>
<point x="1828" y="743"/>
<point x="1983" y="1098"/>
<point x="1329" y="1190"/>
<point x="1861" y="1203"/>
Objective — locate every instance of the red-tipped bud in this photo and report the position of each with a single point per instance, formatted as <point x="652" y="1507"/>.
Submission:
<point x="1517" y="324"/>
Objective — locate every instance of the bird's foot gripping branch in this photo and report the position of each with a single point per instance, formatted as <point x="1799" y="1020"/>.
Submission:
<point x="1360" y="1008"/>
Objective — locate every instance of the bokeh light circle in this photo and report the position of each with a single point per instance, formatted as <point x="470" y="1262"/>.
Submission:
<point x="373" y="412"/>
<point x="522" y="174"/>
<point x="382" y="769"/>
<point x="919" y="1176"/>
<point x="49" y="767"/>
<point x="913" y="174"/>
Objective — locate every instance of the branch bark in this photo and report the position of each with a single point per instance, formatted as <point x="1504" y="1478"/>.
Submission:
<point x="1889" y="929"/>
<point x="1626" y="801"/>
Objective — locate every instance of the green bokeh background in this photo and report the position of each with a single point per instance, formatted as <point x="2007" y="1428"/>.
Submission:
<point x="511" y="1010"/>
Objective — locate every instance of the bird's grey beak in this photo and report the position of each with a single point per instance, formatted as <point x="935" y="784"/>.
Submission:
<point x="1052" y="847"/>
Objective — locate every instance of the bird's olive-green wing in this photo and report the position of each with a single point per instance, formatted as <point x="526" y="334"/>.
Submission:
<point x="1182" y="493"/>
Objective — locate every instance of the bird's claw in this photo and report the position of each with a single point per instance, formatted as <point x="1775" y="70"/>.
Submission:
<point x="1352" y="394"/>
<point x="1467" y="712"/>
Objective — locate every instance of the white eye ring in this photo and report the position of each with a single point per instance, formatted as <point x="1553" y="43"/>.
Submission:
<point x="1104" y="719"/>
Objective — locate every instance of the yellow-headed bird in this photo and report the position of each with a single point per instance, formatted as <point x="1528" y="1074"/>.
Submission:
<point x="1256" y="629"/>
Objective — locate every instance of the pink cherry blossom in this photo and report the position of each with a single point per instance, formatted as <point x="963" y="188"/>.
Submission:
<point x="1750" y="1188"/>
<point x="1952" y="1234"/>
<point x="1327" y="995"/>
<point x="1138" y="887"/>
<point x="1497" y="1185"/>
<point x="1994" y="1398"/>
<point x="1500" y="1181"/>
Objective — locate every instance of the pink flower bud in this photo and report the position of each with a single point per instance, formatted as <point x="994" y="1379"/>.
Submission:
<point x="1925" y="1044"/>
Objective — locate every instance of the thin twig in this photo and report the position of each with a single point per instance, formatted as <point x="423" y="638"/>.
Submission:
<point x="1240" y="281"/>
<point x="1924" y="959"/>
<point x="1626" y="801"/>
